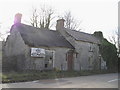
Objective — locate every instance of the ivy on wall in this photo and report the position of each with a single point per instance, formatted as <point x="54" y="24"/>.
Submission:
<point x="108" y="51"/>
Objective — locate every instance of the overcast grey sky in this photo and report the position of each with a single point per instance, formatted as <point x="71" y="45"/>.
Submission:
<point x="96" y="15"/>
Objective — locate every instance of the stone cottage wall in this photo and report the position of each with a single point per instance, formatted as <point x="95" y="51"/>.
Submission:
<point x="84" y="58"/>
<point x="60" y="58"/>
<point x="17" y="55"/>
<point x="87" y="57"/>
<point x="14" y="52"/>
<point x="37" y="63"/>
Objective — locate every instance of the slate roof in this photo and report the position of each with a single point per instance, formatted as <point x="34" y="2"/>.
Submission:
<point x="36" y="37"/>
<point x="81" y="36"/>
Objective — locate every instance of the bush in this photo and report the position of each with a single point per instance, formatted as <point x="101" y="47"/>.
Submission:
<point x="109" y="54"/>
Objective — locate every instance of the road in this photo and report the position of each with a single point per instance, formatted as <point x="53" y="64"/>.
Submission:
<point x="93" y="81"/>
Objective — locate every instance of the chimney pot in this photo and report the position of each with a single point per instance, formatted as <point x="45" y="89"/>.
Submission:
<point x="60" y="24"/>
<point x="17" y="18"/>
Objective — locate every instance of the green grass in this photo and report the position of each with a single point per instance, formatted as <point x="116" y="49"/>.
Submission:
<point x="11" y="77"/>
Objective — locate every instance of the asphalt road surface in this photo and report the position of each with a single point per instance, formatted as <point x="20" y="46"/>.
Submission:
<point x="93" y="81"/>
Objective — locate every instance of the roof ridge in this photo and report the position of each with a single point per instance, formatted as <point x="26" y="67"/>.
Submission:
<point x="41" y="37"/>
<point x="37" y="27"/>
<point x="78" y="31"/>
<point x="78" y="35"/>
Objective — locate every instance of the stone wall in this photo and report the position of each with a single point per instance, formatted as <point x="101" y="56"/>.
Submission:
<point x="85" y="59"/>
<point x="17" y="55"/>
<point x="37" y="63"/>
<point x="14" y="52"/>
<point x="87" y="56"/>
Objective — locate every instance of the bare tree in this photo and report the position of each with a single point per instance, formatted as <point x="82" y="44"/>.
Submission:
<point x="3" y="35"/>
<point x="118" y="34"/>
<point x="114" y="39"/>
<point x="34" y="21"/>
<point x="70" y="21"/>
<point x="0" y="33"/>
<point x="42" y="17"/>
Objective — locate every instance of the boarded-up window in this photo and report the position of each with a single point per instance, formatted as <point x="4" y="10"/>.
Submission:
<point x="90" y="60"/>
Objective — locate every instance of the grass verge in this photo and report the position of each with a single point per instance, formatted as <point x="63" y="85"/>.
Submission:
<point x="11" y="77"/>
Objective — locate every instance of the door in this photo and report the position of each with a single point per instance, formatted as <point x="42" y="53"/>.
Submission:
<point x="70" y="60"/>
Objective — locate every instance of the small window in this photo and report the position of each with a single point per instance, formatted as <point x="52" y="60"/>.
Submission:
<point x="76" y="55"/>
<point x="46" y="65"/>
<point x="66" y="56"/>
<point x="50" y="58"/>
<point x="90" y="61"/>
<point x="90" y="49"/>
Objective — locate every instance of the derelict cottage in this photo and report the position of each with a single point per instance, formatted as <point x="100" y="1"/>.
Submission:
<point x="30" y="48"/>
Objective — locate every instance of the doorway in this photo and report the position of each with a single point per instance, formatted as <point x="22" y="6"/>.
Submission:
<point x="69" y="59"/>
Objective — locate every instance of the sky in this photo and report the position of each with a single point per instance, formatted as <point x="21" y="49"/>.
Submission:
<point x="94" y="15"/>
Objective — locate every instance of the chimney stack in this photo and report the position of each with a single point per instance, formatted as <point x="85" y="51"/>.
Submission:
<point x="17" y="18"/>
<point x="60" y="24"/>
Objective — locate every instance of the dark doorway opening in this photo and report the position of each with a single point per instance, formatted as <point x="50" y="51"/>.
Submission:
<point x="46" y="65"/>
<point x="69" y="58"/>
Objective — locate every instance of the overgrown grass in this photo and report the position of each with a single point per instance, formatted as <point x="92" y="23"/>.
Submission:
<point x="11" y="77"/>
